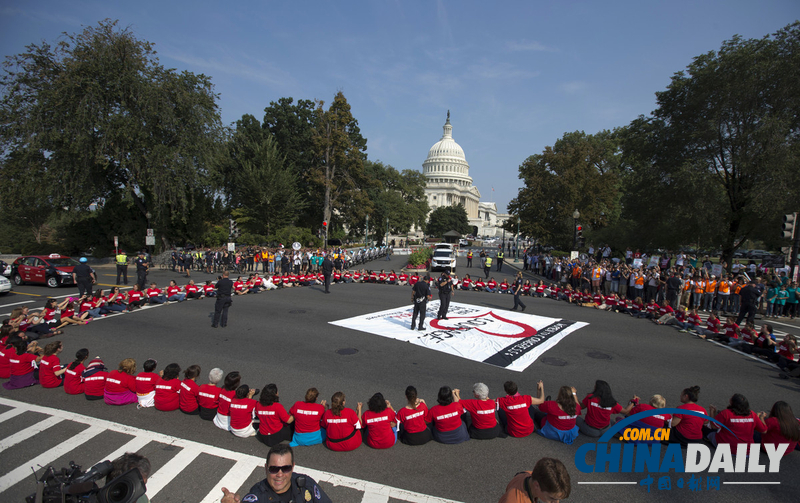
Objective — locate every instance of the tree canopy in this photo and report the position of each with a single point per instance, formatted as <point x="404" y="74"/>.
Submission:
<point x="448" y="218"/>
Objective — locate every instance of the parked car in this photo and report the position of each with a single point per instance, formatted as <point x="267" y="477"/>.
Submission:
<point x="5" y="285"/>
<point x="5" y="268"/>
<point x="463" y="242"/>
<point x="444" y="257"/>
<point x="758" y="254"/>
<point x="52" y="270"/>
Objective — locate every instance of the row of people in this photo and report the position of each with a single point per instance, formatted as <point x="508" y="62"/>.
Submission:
<point x="453" y="419"/>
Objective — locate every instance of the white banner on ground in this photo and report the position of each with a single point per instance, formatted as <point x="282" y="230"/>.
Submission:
<point x="508" y="339"/>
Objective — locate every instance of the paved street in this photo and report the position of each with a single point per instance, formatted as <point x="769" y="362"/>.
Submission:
<point x="285" y="337"/>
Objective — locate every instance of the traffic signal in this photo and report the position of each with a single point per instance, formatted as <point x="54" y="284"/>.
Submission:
<point x="788" y="225"/>
<point x="234" y="228"/>
<point x="324" y="224"/>
<point x="579" y="241"/>
<point x="579" y="230"/>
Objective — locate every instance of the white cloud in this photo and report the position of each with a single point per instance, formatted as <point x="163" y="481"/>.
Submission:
<point x="255" y="70"/>
<point x="529" y="46"/>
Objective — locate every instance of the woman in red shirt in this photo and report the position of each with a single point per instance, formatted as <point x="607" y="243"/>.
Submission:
<point x="380" y="422"/>
<point x="223" y="418"/>
<point x="414" y="430"/>
<point x="515" y="409"/>
<point x="121" y="384"/>
<point x="782" y="427"/>
<point x="94" y="380"/>
<point x="168" y="388"/>
<point x="688" y="429"/>
<point x="599" y="405"/>
<point x="482" y="424"/>
<point x="275" y="424"/>
<point x="188" y="399"/>
<point x="242" y="412"/>
<point x="448" y="428"/>
<point x="557" y="418"/>
<point x="307" y="420"/>
<point x="342" y="427"/>
<point x="50" y="369"/>
<point x="73" y="377"/>
<point x="146" y="383"/>
<point x="208" y="395"/>
<point x="23" y="364"/>
<point x="739" y="419"/>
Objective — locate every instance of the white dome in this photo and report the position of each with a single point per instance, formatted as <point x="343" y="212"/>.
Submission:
<point x="446" y="160"/>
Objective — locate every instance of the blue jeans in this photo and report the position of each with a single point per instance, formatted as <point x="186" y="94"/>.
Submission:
<point x="158" y="299"/>
<point x="722" y="302"/>
<point x="709" y="301"/>
<point x="179" y="297"/>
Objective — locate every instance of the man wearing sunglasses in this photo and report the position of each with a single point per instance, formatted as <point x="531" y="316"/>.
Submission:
<point x="281" y="483"/>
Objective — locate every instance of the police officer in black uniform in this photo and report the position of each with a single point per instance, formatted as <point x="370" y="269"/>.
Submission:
<point x="141" y="270"/>
<point x="749" y="302"/>
<point x="420" y="293"/>
<point x="281" y="483"/>
<point x="224" y="291"/>
<point x="327" y="270"/>
<point x="517" y="292"/>
<point x="445" y="292"/>
<point x="84" y="277"/>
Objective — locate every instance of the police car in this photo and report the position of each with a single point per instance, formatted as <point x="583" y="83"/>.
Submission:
<point x="52" y="270"/>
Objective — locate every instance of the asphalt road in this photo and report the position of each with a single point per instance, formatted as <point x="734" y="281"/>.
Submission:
<point x="284" y="337"/>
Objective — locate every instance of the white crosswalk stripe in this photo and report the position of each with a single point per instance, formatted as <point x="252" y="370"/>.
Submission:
<point x="244" y="465"/>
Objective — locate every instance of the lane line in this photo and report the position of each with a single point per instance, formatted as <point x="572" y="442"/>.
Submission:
<point x="133" y="445"/>
<point x="233" y="480"/>
<point x="16" y="304"/>
<point x="157" y="481"/>
<point x="24" y="470"/>
<point x="28" y="432"/>
<point x="374" y="498"/>
<point x="5" y="416"/>
<point x="102" y="425"/>
<point x="31" y="294"/>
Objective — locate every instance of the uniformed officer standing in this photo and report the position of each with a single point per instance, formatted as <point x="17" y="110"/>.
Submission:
<point x="141" y="270"/>
<point x="420" y="293"/>
<point x="224" y="291"/>
<point x="487" y="265"/>
<point x="517" y="292"/>
<point x="281" y="483"/>
<point x="445" y="291"/>
<point x="469" y="258"/>
<point x="84" y="277"/>
<point x="122" y="266"/>
<point x="500" y="257"/>
<point x="327" y="270"/>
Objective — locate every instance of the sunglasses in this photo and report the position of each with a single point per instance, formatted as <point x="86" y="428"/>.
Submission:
<point x="275" y="469"/>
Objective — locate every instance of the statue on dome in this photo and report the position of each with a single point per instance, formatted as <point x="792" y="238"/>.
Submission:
<point x="448" y="115"/>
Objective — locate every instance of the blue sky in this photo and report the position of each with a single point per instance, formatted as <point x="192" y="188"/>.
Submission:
<point x="515" y="75"/>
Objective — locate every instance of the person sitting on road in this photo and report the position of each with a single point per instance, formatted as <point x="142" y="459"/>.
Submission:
<point x="242" y="412"/>
<point x="413" y="428"/>
<point x="307" y="415"/>
<point x="188" y="400"/>
<point x="208" y="395"/>
<point x="342" y="425"/>
<point x="168" y="389"/>
<point x="120" y="388"/>
<point x="379" y="422"/>
<point x="445" y="417"/>
<point x="275" y="424"/>
<point x="482" y="424"/>
<point x="599" y="405"/>
<point x="557" y="418"/>
<point x="223" y="418"/>
<point x="516" y="410"/>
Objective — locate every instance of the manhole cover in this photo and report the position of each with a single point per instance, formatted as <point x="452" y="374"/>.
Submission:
<point x="556" y="362"/>
<point x="347" y="351"/>
<point x="297" y="311"/>
<point x="597" y="355"/>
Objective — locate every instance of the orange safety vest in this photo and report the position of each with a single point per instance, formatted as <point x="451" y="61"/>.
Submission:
<point x="597" y="273"/>
<point x="688" y="285"/>
<point x="711" y="286"/>
<point x="699" y="286"/>
<point x="640" y="280"/>
<point x="724" y="287"/>
<point x="736" y="288"/>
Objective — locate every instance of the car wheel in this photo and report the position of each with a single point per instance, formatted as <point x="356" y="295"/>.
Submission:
<point x="52" y="282"/>
<point x="17" y="279"/>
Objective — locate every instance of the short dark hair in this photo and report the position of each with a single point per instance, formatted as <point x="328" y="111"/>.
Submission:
<point x="553" y="477"/>
<point x="129" y="461"/>
<point x="232" y="380"/>
<point x="510" y="387"/>
<point x="148" y="365"/>
<point x="171" y="371"/>
<point x="445" y="396"/>
<point x="192" y="372"/>
<point x="280" y="450"/>
<point x="376" y="403"/>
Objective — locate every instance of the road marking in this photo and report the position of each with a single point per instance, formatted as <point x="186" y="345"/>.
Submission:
<point x="5" y="416"/>
<point x="236" y="476"/>
<point x="16" y="303"/>
<point x="133" y="445"/>
<point x="28" y="432"/>
<point x="31" y="294"/>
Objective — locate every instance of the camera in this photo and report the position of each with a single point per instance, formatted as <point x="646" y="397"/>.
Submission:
<point x="71" y="485"/>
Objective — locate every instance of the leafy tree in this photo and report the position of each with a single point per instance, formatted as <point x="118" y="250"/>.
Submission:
<point x="110" y="120"/>
<point x="579" y="172"/>
<point x="25" y="195"/>
<point x="448" y="218"/>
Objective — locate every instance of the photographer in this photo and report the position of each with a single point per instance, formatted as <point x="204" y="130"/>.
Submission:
<point x="127" y="462"/>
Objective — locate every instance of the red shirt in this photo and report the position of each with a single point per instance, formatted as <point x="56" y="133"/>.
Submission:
<point x="225" y="398"/>
<point x="656" y="421"/>
<point x="557" y="418"/>
<point x="516" y="407"/>
<point x="175" y="289"/>
<point x="146" y="382"/>
<point x="691" y="427"/>
<point x="135" y="296"/>
<point x="47" y="371"/>
<point x="5" y="365"/>
<point x="341" y="426"/>
<point x="480" y="284"/>
<point x="208" y="289"/>
<point x="73" y="380"/>
<point x="446" y="417"/>
<point x="208" y="396"/>
<point x="413" y="279"/>
<point x="413" y="419"/>
<point x="774" y="436"/>
<point x="465" y="284"/>
<point x="242" y="412"/>
<point x="85" y="306"/>
<point x="492" y="284"/>
<point x="95" y="384"/>
<point x="187" y="400"/>
<point x="402" y="277"/>
<point x="167" y="392"/>
<point x="191" y="288"/>
<point x="741" y="426"/>
<point x="730" y="330"/>
<point x="118" y="381"/>
<point x="481" y="412"/>
<point x="713" y="325"/>
<point x="783" y="350"/>
<point x="50" y="314"/>
<point x="504" y="286"/>
<point x="694" y="319"/>
<point x="271" y="417"/>
<point x="748" y="335"/>
<point x="665" y="310"/>
<point x="21" y="364"/>
<point x="153" y="292"/>
<point x="379" y="428"/>
<point x="596" y="416"/>
<point x="307" y="416"/>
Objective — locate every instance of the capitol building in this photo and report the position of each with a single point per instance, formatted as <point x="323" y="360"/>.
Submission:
<point x="447" y="174"/>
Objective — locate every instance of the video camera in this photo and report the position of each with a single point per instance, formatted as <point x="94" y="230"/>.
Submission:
<point x="71" y="485"/>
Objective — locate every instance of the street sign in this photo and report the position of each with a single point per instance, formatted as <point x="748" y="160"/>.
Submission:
<point x="116" y="241"/>
<point x="231" y="247"/>
<point x="150" y="240"/>
<point x="150" y="232"/>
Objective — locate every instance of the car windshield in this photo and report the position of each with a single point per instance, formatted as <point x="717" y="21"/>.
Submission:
<point x="63" y="262"/>
<point x="442" y="254"/>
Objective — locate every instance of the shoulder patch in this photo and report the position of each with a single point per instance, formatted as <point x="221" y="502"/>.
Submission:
<point x="317" y="494"/>
<point x="250" y="498"/>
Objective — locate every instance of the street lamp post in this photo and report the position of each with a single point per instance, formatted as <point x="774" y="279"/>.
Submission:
<point x="148" y="216"/>
<point x="516" y="254"/>
<point x="387" y="231"/>
<point x="366" y="236"/>
<point x="575" y="216"/>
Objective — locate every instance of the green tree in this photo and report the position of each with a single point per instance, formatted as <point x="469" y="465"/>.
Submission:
<point x="400" y="197"/>
<point x="448" y="218"/>
<point x="579" y="172"/>
<point x="110" y="120"/>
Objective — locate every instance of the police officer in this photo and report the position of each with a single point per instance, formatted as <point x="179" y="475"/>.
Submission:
<point x="122" y="266"/>
<point x="224" y="291"/>
<point x="281" y="483"/>
<point x="487" y="265"/>
<point x="141" y="270"/>
<point x="517" y="292"/>
<point x="469" y="258"/>
<point x="500" y="256"/>
<point x="327" y="270"/>
<point x="84" y="277"/>
<point x="420" y="293"/>
<point x="445" y="292"/>
<point x="748" y="296"/>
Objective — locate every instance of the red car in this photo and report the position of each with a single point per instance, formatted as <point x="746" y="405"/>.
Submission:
<point x="52" y="270"/>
